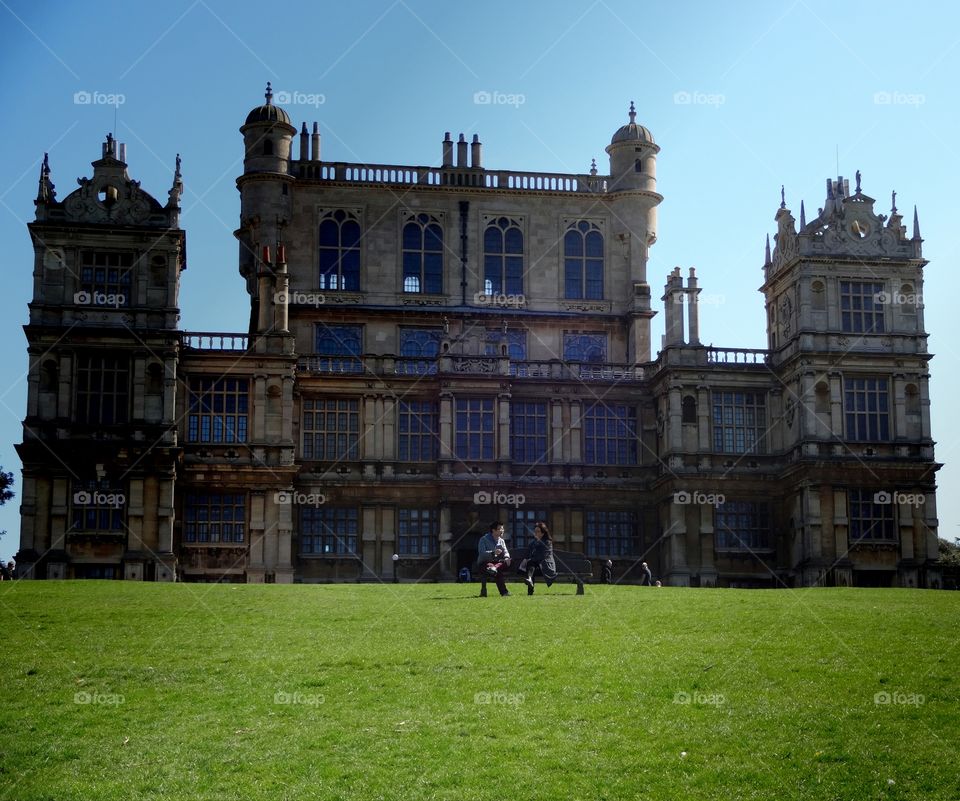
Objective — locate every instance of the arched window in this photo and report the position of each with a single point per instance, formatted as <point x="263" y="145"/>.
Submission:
<point x="503" y="257"/>
<point x="267" y="147"/>
<point x="339" y="246"/>
<point x="689" y="409"/>
<point x="423" y="255"/>
<point x="638" y="165"/>
<point x="583" y="261"/>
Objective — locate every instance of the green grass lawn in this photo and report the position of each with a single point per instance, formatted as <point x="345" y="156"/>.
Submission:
<point x="118" y="690"/>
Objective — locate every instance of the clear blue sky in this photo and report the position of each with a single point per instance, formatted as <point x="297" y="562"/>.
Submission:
<point x="776" y="89"/>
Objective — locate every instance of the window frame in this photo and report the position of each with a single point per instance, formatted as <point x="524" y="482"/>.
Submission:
<point x="422" y="281"/>
<point x="203" y="416"/>
<point x="423" y="532"/>
<point x="733" y="433"/>
<point x="485" y="447"/>
<point x="577" y="267"/>
<point x="101" y="383"/>
<point x="869" y="425"/>
<point x="751" y="527"/>
<point x="503" y="267"/>
<point x="596" y="429"/>
<point x="352" y="252"/>
<point x="345" y="438"/>
<point x="314" y="528"/>
<point x="219" y="501"/>
<point x="622" y="520"/>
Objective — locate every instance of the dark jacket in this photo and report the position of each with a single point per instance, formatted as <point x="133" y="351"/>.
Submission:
<point x="606" y="574"/>
<point x="540" y="554"/>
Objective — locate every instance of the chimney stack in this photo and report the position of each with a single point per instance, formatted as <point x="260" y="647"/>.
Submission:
<point x="447" y="150"/>
<point x="315" y="144"/>
<point x="475" y="147"/>
<point x="462" y="152"/>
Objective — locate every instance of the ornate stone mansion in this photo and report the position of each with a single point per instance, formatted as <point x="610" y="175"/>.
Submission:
<point x="433" y="347"/>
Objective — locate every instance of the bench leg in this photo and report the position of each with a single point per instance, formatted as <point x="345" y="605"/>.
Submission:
<point x="579" y="588"/>
<point x="483" y="587"/>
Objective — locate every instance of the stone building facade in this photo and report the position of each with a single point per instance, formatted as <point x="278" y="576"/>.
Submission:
<point x="433" y="347"/>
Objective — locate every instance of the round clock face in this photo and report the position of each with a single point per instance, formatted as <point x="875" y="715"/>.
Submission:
<point x="54" y="258"/>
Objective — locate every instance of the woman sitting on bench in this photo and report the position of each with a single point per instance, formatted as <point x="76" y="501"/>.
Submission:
<point x="539" y="557"/>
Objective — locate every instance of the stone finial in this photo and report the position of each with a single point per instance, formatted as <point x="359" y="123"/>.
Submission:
<point x="269" y="94"/>
<point x="632" y="113"/>
<point x="893" y="202"/>
<point x="857" y="176"/>
<point x="916" y="224"/>
<point x="766" y="254"/>
<point x="783" y="197"/>
<point x="803" y="216"/>
<point x="593" y="166"/>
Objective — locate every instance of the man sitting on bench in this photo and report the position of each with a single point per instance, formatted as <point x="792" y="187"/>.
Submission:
<point x="493" y="556"/>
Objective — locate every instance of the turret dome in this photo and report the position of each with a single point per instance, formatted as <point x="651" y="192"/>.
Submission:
<point x="268" y="112"/>
<point x="632" y="132"/>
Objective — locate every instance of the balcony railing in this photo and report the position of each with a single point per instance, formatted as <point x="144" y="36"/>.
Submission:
<point x="737" y="356"/>
<point x="469" y="365"/>
<point x="200" y="340"/>
<point x="394" y="174"/>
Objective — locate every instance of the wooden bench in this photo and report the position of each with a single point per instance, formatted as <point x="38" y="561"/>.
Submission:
<point x="569" y="565"/>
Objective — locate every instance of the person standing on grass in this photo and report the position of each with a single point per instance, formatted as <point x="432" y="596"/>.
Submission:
<point x="540" y="557"/>
<point x="493" y="556"/>
<point x="646" y="576"/>
<point x="606" y="572"/>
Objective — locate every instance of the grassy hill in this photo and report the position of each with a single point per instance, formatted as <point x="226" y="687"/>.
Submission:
<point x="116" y="690"/>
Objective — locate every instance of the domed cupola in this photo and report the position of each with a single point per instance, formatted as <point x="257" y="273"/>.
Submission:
<point x="268" y="138"/>
<point x="632" y="132"/>
<point x="633" y="157"/>
<point x="268" y="112"/>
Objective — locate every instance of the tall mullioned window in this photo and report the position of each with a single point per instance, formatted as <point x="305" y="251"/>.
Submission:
<point x="742" y="526"/>
<point x="423" y="255"/>
<point x="105" y="278"/>
<point x="866" y="405"/>
<point x="217" y="410"/>
<point x="329" y="530"/>
<point x="869" y="520"/>
<point x="419" y="348"/>
<point x="331" y="429"/>
<point x="339" y="348"/>
<point x="417" y="431"/>
<point x="528" y="431"/>
<point x="610" y="532"/>
<point x="102" y="390"/>
<point x="610" y="434"/>
<point x="503" y="257"/>
<point x="418" y="532"/>
<point x="339" y="246"/>
<point x="583" y="261"/>
<point x="861" y="310"/>
<point x="213" y="517"/>
<point x="475" y="429"/>
<point x="739" y="421"/>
